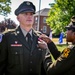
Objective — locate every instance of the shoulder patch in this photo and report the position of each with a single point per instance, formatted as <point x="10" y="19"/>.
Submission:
<point x="1" y="37"/>
<point x="66" y="52"/>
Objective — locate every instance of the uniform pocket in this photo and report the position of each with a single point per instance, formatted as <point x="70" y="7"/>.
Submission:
<point x="15" y="55"/>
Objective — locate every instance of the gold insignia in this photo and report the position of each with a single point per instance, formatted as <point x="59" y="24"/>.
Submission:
<point x="66" y="52"/>
<point x="28" y="3"/>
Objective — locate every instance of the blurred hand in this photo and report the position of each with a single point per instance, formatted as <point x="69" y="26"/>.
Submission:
<point x="42" y="44"/>
<point x="45" y="38"/>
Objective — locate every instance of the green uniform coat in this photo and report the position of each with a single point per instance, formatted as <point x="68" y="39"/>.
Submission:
<point x="65" y="64"/>
<point x="16" y="58"/>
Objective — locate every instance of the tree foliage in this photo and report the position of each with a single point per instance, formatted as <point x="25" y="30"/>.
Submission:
<point x="60" y="14"/>
<point x="7" y="23"/>
<point x="5" y="7"/>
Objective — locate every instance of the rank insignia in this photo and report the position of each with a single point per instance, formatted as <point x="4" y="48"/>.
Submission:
<point x="66" y="52"/>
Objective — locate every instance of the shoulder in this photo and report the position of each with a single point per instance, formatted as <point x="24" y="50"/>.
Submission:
<point x="68" y="51"/>
<point x="72" y="47"/>
<point x="8" y="31"/>
<point x="38" y="33"/>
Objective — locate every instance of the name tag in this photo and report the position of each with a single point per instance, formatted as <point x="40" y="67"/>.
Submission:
<point x="19" y="45"/>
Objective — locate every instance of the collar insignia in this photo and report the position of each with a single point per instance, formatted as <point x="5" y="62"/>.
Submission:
<point x="18" y="32"/>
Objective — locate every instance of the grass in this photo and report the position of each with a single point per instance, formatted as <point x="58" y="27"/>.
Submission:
<point x="60" y="47"/>
<point x="56" y="39"/>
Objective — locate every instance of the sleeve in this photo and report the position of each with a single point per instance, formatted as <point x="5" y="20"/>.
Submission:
<point x="53" y="49"/>
<point x="3" y="54"/>
<point x="46" y="59"/>
<point x="63" y="64"/>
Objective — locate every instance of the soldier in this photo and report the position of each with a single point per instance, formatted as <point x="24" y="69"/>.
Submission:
<point x="65" y="64"/>
<point x="21" y="52"/>
<point x="73" y="19"/>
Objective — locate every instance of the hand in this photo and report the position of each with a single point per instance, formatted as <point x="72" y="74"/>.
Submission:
<point x="42" y="44"/>
<point x="45" y="38"/>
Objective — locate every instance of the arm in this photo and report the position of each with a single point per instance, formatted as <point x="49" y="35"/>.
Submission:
<point x="46" y="56"/>
<point x="3" y="55"/>
<point x="64" y="64"/>
<point x="52" y="47"/>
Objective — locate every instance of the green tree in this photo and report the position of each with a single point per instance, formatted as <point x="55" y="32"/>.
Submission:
<point x="5" y="7"/>
<point x="60" y="14"/>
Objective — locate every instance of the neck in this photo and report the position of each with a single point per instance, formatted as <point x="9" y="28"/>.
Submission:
<point x="27" y="28"/>
<point x="73" y="43"/>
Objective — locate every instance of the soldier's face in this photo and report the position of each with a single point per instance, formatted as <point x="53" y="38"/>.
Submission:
<point x="70" y="36"/>
<point x="26" y="18"/>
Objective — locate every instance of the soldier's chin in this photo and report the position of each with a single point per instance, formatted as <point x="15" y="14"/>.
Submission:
<point x="68" y="40"/>
<point x="29" y="24"/>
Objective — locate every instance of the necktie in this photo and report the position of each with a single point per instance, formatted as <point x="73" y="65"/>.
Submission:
<point x="29" y="40"/>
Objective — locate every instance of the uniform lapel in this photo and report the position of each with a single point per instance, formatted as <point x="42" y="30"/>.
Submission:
<point x="34" y="43"/>
<point x="21" y="37"/>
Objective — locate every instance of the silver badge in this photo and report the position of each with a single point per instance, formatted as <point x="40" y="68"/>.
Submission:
<point x="28" y="3"/>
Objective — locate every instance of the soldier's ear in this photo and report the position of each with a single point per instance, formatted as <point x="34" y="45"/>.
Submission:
<point x="17" y="18"/>
<point x="74" y="33"/>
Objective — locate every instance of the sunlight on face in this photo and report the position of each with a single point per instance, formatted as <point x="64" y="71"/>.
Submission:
<point x="69" y="35"/>
<point x="26" y="18"/>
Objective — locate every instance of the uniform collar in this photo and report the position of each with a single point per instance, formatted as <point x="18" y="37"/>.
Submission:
<point x="25" y="32"/>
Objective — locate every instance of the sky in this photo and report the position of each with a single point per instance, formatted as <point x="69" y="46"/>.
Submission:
<point x="16" y="3"/>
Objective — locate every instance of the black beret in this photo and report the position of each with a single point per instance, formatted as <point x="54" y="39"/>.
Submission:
<point x="71" y="26"/>
<point x="73" y="20"/>
<point x="26" y="6"/>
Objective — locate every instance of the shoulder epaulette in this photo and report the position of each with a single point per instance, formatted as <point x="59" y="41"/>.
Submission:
<point x="71" y="46"/>
<point x="8" y="30"/>
<point x="37" y="32"/>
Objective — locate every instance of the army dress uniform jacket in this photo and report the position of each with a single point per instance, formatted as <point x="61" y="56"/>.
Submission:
<point x="16" y="58"/>
<point x="53" y="49"/>
<point x="65" y="64"/>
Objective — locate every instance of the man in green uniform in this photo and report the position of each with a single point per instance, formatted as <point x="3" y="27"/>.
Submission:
<point x="21" y="52"/>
